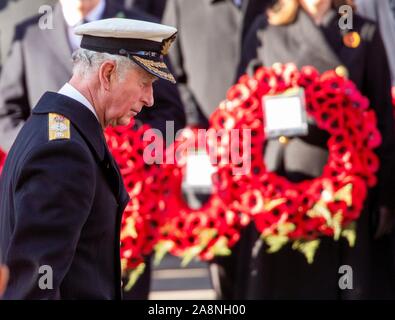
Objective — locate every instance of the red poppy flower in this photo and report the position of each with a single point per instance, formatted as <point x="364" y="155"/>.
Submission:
<point x="239" y="92"/>
<point x="2" y="159"/>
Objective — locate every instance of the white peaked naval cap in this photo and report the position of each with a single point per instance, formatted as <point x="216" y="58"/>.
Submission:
<point x="145" y="43"/>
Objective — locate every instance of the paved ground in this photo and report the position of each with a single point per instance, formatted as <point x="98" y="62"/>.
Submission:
<point x="172" y="282"/>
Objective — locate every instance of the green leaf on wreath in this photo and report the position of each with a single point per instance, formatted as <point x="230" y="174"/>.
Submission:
<point x="321" y="210"/>
<point x="308" y="248"/>
<point x="206" y="236"/>
<point x="220" y="248"/>
<point x="130" y="229"/>
<point x="190" y="254"/>
<point x="134" y="276"/>
<point x="350" y="234"/>
<point x="345" y="194"/>
<point x="271" y="204"/>
<point x="161" y="249"/>
<point x="275" y="242"/>
<point x="337" y="225"/>
<point x="285" y="228"/>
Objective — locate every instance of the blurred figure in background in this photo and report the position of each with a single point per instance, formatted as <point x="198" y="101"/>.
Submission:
<point x="13" y="12"/>
<point x="205" y="58"/>
<point x="153" y="7"/>
<point x="392" y="6"/>
<point x="382" y="12"/>
<point x="39" y="61"/>
<point x="317" y="40"/>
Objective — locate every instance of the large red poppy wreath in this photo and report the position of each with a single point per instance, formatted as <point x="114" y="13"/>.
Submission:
<point x="205" y="232"/>
<point x="325" y="206"/>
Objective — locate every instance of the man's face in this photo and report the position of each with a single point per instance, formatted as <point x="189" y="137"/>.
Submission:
<point x="127" y="96"/>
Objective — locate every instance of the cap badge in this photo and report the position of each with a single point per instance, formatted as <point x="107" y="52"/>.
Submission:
<point x="166" y="44"/>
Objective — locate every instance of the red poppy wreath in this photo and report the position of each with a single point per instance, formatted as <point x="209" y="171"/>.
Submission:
<point x="301" y="213"/>
<point x="2" y="160"/>
<point x="145" y="184"/>
<point x="188" y="233"/>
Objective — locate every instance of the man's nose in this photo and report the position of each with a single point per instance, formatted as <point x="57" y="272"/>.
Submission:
<point x="148" y="98"/>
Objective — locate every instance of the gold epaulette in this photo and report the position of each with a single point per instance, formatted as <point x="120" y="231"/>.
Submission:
<point x="58" y="127"/>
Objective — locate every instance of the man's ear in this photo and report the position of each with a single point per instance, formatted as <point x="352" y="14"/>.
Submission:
<point x="4" y="273"/>
<point x="106" y="72"/>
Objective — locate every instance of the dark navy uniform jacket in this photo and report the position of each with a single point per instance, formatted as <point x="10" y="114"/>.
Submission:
<point x="61" y="206"/>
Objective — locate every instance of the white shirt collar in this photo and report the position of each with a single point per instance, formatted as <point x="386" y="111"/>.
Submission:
<point x="71" y="92"/>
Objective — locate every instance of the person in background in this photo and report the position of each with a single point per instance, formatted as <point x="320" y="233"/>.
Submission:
<point x="13" y="12"/>
<point x="153" y="7"/>
<point x="306" y="32"/>
<point x="392" y="6"/>
<point x="383" y="13"/>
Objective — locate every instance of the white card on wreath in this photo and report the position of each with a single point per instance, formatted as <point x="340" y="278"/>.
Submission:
<point x="285" y="114"/>
<point x="198" y="171"/>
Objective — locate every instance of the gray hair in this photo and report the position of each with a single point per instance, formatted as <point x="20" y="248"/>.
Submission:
<point x="87" y="61"/>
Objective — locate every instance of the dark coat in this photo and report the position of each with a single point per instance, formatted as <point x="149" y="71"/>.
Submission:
<point x="61" y="203"/>
<point x="207" y="50"/>
<point x="286" y="274"/>
<point x="153" y="7"/>
<point x="380" y="12"/>
<point x="40" y="61"/>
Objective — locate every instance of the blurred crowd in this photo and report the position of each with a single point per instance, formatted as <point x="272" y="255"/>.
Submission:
<point x="217" y="42"/>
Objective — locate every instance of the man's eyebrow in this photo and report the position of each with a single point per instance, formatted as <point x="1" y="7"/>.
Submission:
<point x="149" y="77"/>
<point x="152" y="78"/>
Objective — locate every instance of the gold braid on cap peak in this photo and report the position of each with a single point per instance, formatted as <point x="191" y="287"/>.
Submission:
<point x="166" y="44"/>
<point x="154" y="65"/>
